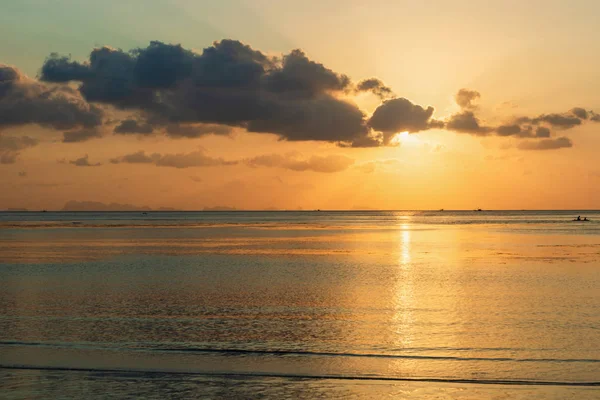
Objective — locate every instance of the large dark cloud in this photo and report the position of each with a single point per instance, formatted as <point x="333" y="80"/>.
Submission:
<point x="294" y="162"/>
<point x="229" y="83"/>
<point x="546" y="144"/>
<point x="179" y="160"/>
<point x="26" y="101"/>
<point x="11" y="147"/>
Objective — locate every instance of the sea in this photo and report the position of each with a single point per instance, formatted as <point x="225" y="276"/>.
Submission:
<point x="300" y="305"/>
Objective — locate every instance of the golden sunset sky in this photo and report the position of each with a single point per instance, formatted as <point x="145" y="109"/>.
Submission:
<point x="336" y="95"/>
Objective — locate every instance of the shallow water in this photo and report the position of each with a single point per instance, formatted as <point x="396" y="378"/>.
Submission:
<point x="300" y="304"/>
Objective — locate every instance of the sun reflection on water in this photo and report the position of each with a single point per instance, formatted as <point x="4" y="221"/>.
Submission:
<point x="404" y="302"/>
<point x="405" y="245"/>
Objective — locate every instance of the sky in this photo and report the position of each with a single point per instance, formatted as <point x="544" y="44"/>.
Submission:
<point x="326" y="104"/>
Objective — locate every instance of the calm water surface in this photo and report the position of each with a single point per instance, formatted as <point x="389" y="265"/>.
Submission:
<point x="465" y="305"/>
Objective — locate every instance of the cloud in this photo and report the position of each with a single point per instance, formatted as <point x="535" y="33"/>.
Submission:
<point x="174" y="130"/>
<point x="300" y="77"/>
<point x="229" y="83"/>
<point x="11" y="147"/>
<point x="179" y="160"/>
<point x="580" y="112"/>
<point x="293" y="161"/>
<point x="26" y="101"/>
<point x="133" y="126"/>
<point x="81" y="135"/>
<point x="375" y="86"/>
<point x="136" y="158"/>
<point x="84" y="162"/>
<point x="538" y="127"/>
<point x="467" y="122"/>
<point x="522" y="131"/>
<point x="193" y="159"/>
<point x="542" y="132"/>
<point x="508" y="130"/>
<point x="466" y="97"/>
<point x="196" y="130"/>
<point x="401" y="115"/>
<point x="546" y="144"/>
<point x="561" y="121"/>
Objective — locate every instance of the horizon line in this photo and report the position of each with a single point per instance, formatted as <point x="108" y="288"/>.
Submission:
<point x="209" y="210"/>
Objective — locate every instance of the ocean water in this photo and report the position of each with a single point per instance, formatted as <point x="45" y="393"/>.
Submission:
<point x="444" y="305"/>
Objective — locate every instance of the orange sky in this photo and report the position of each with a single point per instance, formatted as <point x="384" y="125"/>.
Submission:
<point x="521" y="67"/>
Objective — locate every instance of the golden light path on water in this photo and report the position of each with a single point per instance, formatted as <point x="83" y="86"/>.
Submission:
<point x="405" y="299"/>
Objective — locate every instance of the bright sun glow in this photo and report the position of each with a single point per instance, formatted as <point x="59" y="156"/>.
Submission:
<point x="404" y="138"/>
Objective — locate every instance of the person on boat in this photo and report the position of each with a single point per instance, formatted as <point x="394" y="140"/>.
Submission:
<point x="578" y="218"/>
<point x="585" y="219"/>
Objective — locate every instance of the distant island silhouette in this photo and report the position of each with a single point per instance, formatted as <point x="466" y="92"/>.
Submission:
<point x="219" y="208"/>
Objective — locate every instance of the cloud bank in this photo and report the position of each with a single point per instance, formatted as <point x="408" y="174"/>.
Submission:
<point x="229" y="85"/>
<point x="178" y="160"/>
<point x="294" y="162"/>
<point x="539" y="127"/>
<point x="290" y="161"/>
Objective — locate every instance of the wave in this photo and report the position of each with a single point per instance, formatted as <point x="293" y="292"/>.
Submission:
<point x="284" y="353"/>
<point x="155" y="373"/>
<point x="370" y="355"/>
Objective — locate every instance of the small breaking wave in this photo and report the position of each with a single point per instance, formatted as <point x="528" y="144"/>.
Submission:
<point x="157" y="373"/>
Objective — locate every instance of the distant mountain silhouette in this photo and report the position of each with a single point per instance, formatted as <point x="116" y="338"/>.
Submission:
<point x="74" y="205"/>
<point x="219" y="208"/>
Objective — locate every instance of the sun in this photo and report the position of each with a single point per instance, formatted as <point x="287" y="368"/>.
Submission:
<point x="403" y="138"/>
